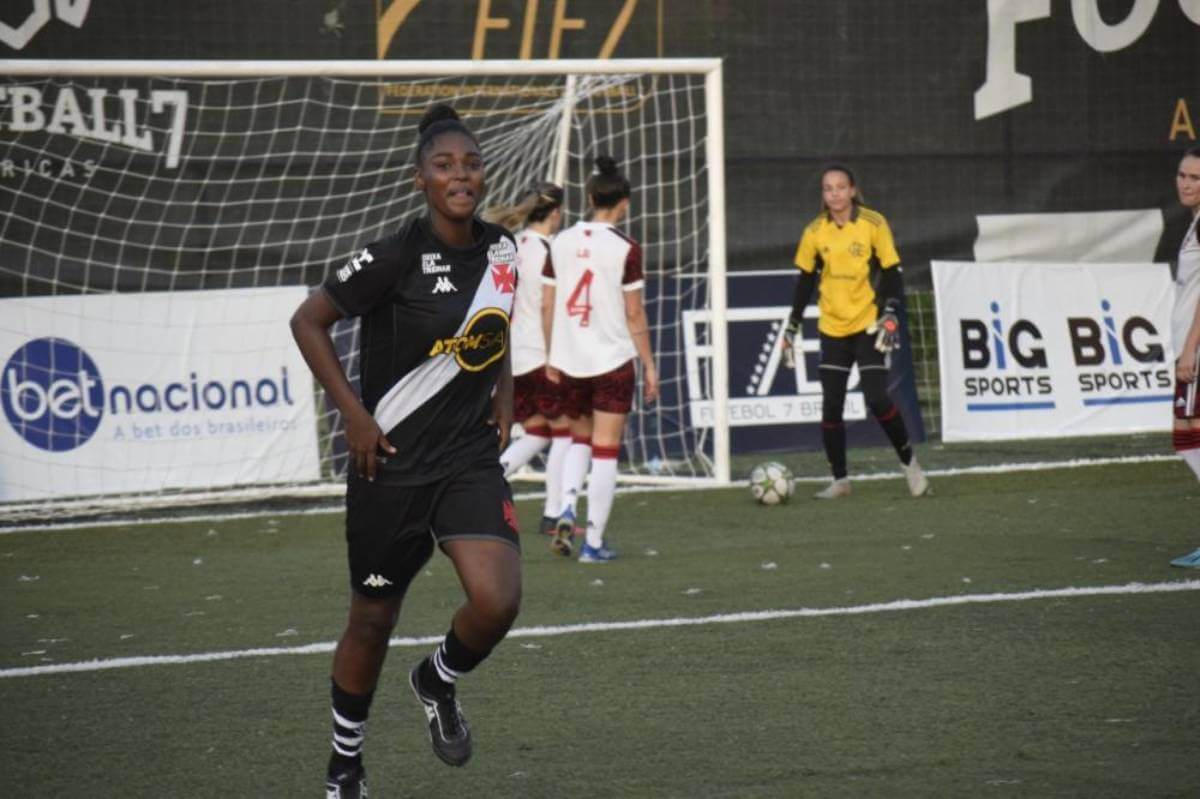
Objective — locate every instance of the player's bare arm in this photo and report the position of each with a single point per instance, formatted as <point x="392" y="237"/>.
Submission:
<point x="502" y="400"/>
<point x="310" y="327"/>
<point x="552" y="374"/>
<point x="639" y="331"/>
<point x="1185" y="363"/>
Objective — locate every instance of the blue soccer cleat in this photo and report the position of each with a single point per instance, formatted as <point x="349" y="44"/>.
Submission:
<point x="600" y="554"/>
<point x="1188" y="561"/>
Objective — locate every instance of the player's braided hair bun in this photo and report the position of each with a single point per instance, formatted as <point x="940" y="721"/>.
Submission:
<point x="606" y="165"/>
<point x="607" y="186"/>
<point x="439" y="118"/>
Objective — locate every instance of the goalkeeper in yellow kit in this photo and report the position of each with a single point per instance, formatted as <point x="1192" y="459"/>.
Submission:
<point x="836" y="257"/>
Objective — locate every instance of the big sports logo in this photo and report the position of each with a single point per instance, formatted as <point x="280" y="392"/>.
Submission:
<point x="1036" y="349"/>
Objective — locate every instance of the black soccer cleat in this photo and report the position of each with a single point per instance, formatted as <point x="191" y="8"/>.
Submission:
<point x="548" y="525"/>
<point x="348" y="784"/>
<point x="564" y="532"/>
<point x="448" y="730"/>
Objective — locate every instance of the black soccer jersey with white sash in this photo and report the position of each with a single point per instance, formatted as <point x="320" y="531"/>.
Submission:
<point x="435" y="328"/>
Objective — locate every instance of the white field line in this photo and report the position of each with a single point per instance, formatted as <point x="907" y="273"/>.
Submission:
<point x="641" y="624"/>
<point x="997" y="468"/>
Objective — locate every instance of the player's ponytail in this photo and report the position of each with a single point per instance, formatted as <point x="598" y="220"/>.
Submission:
<point x="534" y="206"/>
<point x="439" y="118"/>
<point x="607" y="186"/>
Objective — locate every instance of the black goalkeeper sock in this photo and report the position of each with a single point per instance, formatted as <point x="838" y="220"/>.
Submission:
<point x="893" y="426"/>
<point x="833" y="435"/>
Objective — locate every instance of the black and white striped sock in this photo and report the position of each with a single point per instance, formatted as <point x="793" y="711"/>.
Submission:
<point x="452" y="660"/>
<point x="349" y="727"/>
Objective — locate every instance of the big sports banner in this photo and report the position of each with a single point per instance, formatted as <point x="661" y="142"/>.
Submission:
<point x="120" y="393"/>
<point x="1037" y="350"/>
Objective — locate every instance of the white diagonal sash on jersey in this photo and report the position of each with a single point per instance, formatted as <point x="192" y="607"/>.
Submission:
<point x="418" y="386"/>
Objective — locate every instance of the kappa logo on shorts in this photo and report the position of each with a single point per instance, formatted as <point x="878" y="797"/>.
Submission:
<point x="376" y="581"/>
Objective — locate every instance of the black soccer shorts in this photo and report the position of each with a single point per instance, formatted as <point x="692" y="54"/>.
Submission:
<point x="391" y="530"/>
<point x="841" y="352"/>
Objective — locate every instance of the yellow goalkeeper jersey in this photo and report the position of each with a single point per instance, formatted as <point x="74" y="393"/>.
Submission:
<point x="845" y="255"/>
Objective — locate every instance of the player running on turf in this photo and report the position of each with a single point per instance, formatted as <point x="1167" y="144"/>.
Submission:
<point x="434" y="301"/>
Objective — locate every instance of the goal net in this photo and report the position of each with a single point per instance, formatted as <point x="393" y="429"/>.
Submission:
<point x="159" y="221"/>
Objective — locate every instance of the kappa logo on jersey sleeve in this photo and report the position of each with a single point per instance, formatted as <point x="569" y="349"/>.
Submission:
<point x="355" y="265"/>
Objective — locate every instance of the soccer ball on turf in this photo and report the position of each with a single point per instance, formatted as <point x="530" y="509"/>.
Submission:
<point x="771" y="483"/>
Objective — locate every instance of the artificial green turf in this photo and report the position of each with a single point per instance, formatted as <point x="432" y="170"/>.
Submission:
<point x="1084" y="696"/>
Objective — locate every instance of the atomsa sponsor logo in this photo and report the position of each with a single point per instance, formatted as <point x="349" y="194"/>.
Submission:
<point x="55" y="397"/>
<point x="481" y="344"/>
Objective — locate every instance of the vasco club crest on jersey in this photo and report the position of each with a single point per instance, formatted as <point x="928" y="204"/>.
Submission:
<point x="501" y="257"/>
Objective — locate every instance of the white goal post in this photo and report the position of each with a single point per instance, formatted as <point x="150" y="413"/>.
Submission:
<point x="159" y="218"/>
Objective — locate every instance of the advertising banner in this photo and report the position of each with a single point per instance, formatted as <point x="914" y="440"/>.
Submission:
<point x="772" y="407"/>
<point x="1039" y="350"/>
<point x="124" y="393"/>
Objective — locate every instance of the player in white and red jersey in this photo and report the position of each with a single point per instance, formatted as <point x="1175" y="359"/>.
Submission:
<point x="596" y="325"/>
<point x="537" y="403"/>
<point x="1185" y="327"/>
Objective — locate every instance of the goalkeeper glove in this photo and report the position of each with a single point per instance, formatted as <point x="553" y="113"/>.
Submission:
<point x="886" y="330"/>
<point x="789" y="347"/>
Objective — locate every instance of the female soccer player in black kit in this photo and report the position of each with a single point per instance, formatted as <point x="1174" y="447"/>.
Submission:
<point x="836" y="256"/>
<point x="434" y="301"/>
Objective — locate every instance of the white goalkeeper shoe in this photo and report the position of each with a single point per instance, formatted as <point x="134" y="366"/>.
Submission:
<point x="836" y="490"/>
<point x="918" y="483"/>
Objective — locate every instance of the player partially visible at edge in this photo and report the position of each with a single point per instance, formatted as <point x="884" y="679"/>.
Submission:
<point x="596" y="325"/>
<point x="537" y="403"/>
<point x="434" y="301"/>
<point x="836" y="256"/>
<point x="1185" y="327"/>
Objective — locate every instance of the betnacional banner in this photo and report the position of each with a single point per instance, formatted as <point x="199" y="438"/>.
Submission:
<point x="1038" y="350"/>
<point x="119" y="393"/>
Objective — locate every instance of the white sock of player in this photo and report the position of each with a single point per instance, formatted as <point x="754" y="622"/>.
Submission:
<point x="602" y="487"/>
<point x="575" y="468"/>
<point x="1192" y="458"/>
<point x="560" y="442"/>
<point x="521" y="451"/>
